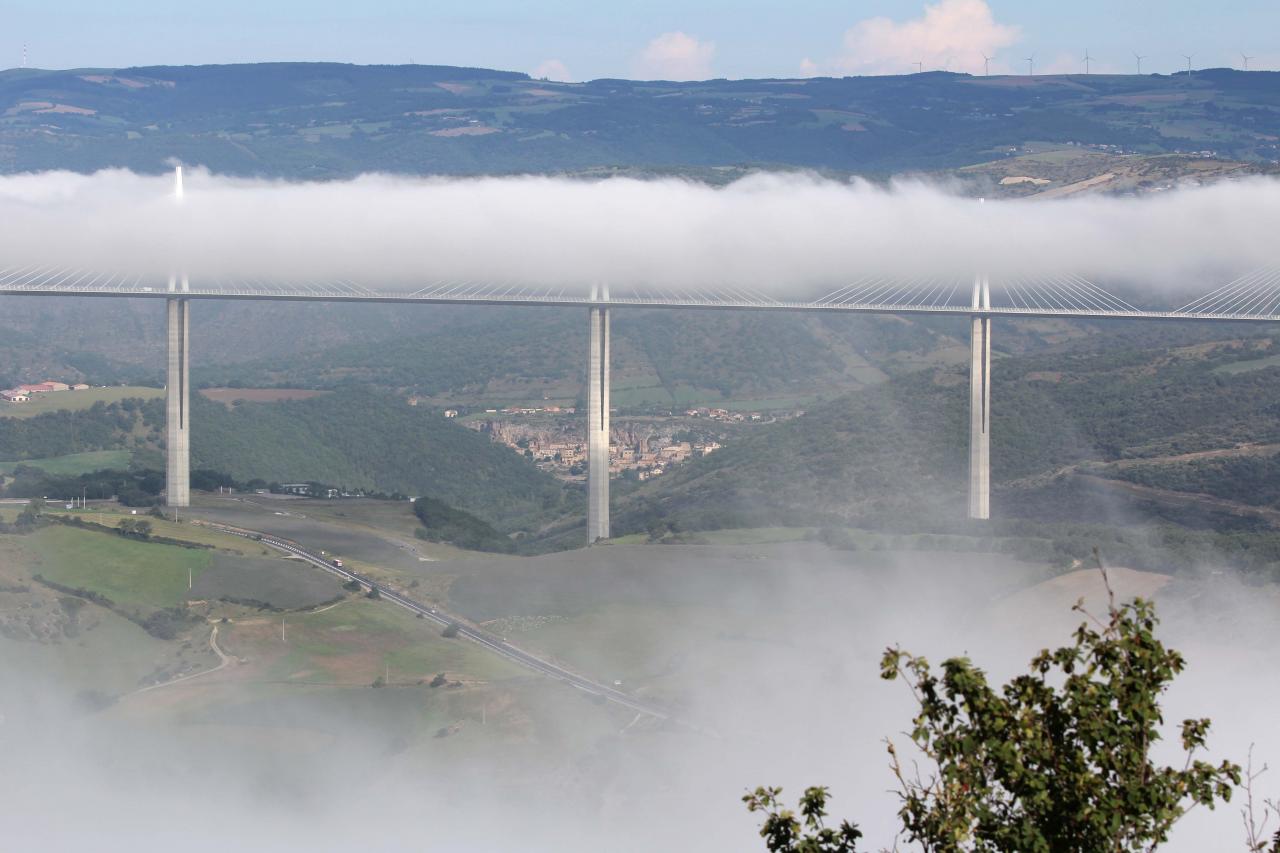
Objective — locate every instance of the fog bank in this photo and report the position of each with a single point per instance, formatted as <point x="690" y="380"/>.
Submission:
<point x="776" y="650"/>
<point x="792" y="233"/>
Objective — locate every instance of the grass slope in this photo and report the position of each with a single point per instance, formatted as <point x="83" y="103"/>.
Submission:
<point x="74" y="464"/>
<point x="136" y="575"/>
<point x="75" y="401"/>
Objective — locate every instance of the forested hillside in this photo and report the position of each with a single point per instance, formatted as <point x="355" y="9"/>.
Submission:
<point x="105" y="426"/>
<point x="729" y="354"/>
<point x="885" y="436"/>
<point x="325" y="119"/>
<point x="356" y="439"/>
<point x="363" y="439"/>
<point x="1196" y="419"/>
<point x="897" y="453"/>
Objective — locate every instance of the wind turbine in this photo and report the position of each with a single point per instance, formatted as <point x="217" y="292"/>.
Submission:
<point x="1246" y="61"/>
<point x="1031" y="65"/>
<point x="1187" y="56"/>
<point x="1087" y="57"/>
<point x="986" y="65"/>
<point x="1139" y="58"/>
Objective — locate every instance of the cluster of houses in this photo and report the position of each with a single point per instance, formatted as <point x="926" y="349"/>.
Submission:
<point x="647" y="449"/>
<point x="23" y="393"/>
<point x="509" y="410"/>
<point x="532" y="410"/>
<point x="651" y="458"/>
<point x="723" y="415"/>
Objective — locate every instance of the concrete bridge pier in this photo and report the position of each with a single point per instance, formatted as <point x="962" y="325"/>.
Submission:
<point x="598" y="422"/>
<point x="178" y="399"/>
<point x="980" y="405"/>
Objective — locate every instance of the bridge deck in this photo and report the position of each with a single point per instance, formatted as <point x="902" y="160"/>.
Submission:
<point x="484" y="298"/>
<point x="1252" y="298"/>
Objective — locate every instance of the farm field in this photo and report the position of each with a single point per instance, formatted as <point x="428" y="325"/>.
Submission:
<point x="259" y="395"/>
<point x="74" y="464"/>
<point x="110" y="515"/>
<point x="767" y="405"/>
<point x="134" y="574"/>
<point x="76" y="400"/>
<point x="357" y="641"/>
<point x="1252" y="364"/>
<point x="276" y="583"/>
<point x="375" y="532"/>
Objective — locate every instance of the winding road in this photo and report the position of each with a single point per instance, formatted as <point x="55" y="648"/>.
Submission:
<point x="223" y="662"/>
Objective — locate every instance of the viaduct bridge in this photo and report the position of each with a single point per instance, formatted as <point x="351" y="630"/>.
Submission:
<point x="1252" y="298"/>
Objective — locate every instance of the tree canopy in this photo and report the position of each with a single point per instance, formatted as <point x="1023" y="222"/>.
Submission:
<point x="1057" y="759"/>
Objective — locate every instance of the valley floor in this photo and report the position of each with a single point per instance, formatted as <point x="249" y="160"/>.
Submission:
<point x="770" y="642"/>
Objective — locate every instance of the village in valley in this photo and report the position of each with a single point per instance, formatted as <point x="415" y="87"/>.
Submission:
<point x="640" y="447"/>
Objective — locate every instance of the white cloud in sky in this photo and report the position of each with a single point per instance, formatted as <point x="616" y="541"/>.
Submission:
<point x="553" y="69"/>
<point x="951" y="34"/>
<point x="676" y="56"/>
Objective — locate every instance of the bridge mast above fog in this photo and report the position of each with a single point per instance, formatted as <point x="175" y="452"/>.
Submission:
<point x="1251" y="298"/>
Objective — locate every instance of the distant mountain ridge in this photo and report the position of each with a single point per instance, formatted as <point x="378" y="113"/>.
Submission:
<point x="331" y="120"/>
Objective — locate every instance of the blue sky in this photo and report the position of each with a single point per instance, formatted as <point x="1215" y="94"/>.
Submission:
<point x="578" y="39"/>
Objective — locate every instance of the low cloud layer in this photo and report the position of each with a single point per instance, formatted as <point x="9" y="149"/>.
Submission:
<point x="783" y="234"/>
<point x="776" y="649"/>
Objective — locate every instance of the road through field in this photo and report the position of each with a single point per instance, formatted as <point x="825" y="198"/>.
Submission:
<point x="497" y="645"/>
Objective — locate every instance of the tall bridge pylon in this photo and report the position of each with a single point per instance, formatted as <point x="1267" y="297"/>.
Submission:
<point x="980" y="403"/>
<point x="598" y="420"/>
<point x="1254" y="297"/>
<point x="177" y="392"/>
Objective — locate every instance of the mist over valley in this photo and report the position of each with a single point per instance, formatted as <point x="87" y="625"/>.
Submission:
<point x="325" y="575"/>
